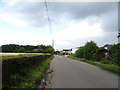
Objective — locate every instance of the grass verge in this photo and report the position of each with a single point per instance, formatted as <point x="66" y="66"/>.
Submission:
<point x="35" y="75"/>
<point x="112" y="68"/>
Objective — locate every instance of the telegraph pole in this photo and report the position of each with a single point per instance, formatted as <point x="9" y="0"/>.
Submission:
<point x="53" y="47"/>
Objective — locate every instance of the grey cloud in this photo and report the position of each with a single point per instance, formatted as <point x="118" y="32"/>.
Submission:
<point x="82" y="9"/>
<point x="35" y="13"/>
<point x="119" y="14"/>
<point x="110" y="21"/>
<point x="106" y="11"/>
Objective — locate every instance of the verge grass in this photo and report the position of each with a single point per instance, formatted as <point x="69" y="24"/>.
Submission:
<point x="109" y="67"/>
<point x="35" y="75"/>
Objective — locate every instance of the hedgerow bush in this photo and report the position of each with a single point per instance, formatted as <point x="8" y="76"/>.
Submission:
<point x="87" y="51"/>
<point x="16" y="67"/>
<point x="113" y="55"/>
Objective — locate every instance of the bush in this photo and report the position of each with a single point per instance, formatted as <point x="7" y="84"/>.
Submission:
<point x="113" y="55"/>
<point x="90" y="49"/>
<point x="105" y="61"/>
<point x="80" y="52"/>
<point x="87" y="51"/>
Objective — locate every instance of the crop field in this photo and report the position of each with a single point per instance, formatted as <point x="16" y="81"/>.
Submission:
<point x="23" y="70"/>
<point x="2" y="54"/>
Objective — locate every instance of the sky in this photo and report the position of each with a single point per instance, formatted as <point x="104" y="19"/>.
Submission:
<point x="72" y="23"/>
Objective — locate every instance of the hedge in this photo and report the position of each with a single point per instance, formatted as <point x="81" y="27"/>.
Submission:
<point x="17" y="65"/>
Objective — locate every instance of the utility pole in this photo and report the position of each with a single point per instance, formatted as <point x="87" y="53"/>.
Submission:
<point x="53" y="47"/>
<point x="84" y="53"/>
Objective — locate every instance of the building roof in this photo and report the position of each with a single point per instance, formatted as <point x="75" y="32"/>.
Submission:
<point x="106" y="45"/>
<point x="66" y="49"/>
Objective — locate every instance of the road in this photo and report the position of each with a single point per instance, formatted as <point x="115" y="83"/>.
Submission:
<point x="68" y="73"/>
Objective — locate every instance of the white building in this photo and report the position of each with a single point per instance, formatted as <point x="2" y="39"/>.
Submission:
<point x="66" y="51"/>
<point x="74" y="50"/>
<point x="70" y="51"/>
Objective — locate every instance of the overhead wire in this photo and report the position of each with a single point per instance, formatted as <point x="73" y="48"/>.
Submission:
<point x="49" y="21"/>
<point x="50" y="26"/>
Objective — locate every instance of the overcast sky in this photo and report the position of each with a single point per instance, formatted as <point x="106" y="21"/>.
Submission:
<point x="73" y="23"/>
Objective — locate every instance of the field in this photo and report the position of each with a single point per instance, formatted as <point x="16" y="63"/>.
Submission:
<point x="23" y="70"/>
<point x="2" y="54"/>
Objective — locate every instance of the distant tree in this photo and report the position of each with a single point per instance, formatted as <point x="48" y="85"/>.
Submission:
<point x="27" y="48"/>
<point x="9" y="47"/>
<point x="22" y="50"/>
<point x="57" y="52"/>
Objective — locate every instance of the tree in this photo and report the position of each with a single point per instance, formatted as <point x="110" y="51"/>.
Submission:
<point x="80" y="52"/>
<point x="99" y="54"/>
<point x="90" y="49"/>
<point x="22" y="50"/>
<point x="9" y="47"/>
<point x="87" y="51"/>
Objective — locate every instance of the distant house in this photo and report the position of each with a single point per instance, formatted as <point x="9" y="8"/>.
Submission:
<point x="66" y="51"/>
<point x="74" y="50"/>
<point x="107" y="46"/>
<point x="101" y="53"/>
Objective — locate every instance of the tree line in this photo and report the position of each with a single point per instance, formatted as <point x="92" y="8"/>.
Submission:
<point x="15" y="48"/>
<point x="92" y="52"/>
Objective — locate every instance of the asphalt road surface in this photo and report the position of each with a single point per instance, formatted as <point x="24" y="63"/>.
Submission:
<point x="68" y="73"/>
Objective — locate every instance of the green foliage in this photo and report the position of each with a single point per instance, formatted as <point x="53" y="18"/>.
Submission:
<point x="57" y="52"/>
<point x="16" y="67"/>
<point x="80" y="52"/>
<point x="91" y="53"/>
<point x="99" y="54"/>
<point x="87" y="51"/>
<point x="90" y="49"/>
<point x="105" y="61"/>
<point x="21" y="50"/>
<point x="9" y="47"/>
<point x="35" y="74"/>
<point x="113" y="55"/>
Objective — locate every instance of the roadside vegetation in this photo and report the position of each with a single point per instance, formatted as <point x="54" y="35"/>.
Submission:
<point x="58" y="53"/>
<point x="106" y="59"/>
<point x="24" y="71"/>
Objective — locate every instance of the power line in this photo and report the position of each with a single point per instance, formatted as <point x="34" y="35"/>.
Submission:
<point x="50" y="27"/>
